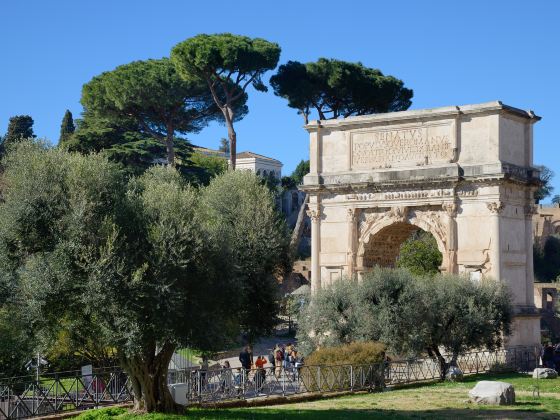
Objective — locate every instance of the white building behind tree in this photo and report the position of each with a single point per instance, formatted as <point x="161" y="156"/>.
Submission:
<point x="261" y="165"/>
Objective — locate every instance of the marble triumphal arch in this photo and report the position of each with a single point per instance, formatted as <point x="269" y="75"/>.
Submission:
<point x="462" y="173"/>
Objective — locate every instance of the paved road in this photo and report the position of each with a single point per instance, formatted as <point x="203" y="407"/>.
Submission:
<point x="262" y="348"/>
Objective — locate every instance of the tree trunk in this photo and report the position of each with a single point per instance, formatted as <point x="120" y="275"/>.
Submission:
<point x="148" y="376"/>
<point x="443" y="366"/>
<point x="454" y="358"/>
<point x="169" y="146"/>
<point x="305" y="114"/>
<point x="228" y="115"/>
<point x="298" y="228"/>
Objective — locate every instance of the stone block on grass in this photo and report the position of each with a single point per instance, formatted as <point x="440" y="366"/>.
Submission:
<point x="454" y="374"/>
<point x="545" y="373"/>
<point x="493" y="393"/>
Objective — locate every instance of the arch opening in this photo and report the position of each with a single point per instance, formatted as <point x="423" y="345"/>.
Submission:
<point x="406" y="242"/>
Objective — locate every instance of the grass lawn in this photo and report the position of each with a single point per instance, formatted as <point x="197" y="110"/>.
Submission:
<point x="433" y="401"/>
<point x="69" y="384"/>
<point x="189" y="354"/>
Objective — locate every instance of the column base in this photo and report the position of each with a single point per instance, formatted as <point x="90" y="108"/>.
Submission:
<point x="526" y="328"/>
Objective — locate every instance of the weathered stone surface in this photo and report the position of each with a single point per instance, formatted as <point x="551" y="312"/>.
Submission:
<point x="454" y="374"/>
<point x="493" y="393"/>
<point x="545" y="373"/>
<point x="462" y="173"/>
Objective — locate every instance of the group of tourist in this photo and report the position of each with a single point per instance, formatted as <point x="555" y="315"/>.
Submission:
<point x="285" y="357"/>
<point x="282" y="356"/>
<point x="551" y="356"/>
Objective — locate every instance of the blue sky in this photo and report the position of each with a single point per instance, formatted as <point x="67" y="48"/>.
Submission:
<point x="448" y="52"/>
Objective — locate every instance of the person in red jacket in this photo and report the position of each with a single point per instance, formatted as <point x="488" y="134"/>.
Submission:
<point x="260" y="374"/>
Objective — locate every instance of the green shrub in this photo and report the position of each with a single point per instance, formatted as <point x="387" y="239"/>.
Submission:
<point x="355" y="365"/>
<point x="102" y="414"/>
<point x="420" y="254"/>
<point x="357" y="353"/>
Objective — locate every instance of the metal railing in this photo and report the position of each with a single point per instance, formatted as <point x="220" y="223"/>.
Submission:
<point x="26" y="396"/>
<point x="514" y="359"/>
<point x="228" y="384"/>
<point x="53" y="393"/>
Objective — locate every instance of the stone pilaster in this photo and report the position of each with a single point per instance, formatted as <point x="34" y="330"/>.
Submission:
<point x="451" y="210"/>
<point x="352" y="218"/>
<point x="496" y="209"/>
<point x="315" y="216"/>
<point x="530" y="210"/>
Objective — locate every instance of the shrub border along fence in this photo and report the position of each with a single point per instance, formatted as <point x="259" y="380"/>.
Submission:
<point x="69" y="391"/>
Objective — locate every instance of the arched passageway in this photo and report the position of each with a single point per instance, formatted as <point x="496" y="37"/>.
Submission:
<point x="384" y="248"/>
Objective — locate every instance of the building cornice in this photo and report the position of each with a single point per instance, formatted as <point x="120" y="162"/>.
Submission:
<point x="421" y="115"/>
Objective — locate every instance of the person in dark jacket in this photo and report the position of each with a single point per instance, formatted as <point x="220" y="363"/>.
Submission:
<point x="556" y="358"/>
<point x="245" y="358"/>
<point x="548" y="356"/>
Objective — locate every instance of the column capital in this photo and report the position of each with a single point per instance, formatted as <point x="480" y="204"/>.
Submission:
<point x="314" y="214"/>
<point x="530" y="210"/>
<point x="450" y="209"/>
<point x="496" y="207"/>
<point x="351" y="214"/>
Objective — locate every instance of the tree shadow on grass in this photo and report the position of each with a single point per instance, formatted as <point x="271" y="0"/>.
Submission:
<point x="529" y="403"/>
<point x="350" y="414"/>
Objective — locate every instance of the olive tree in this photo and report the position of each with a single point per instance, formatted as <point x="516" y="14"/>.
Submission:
<point x="330" y="318"/>
<point x="16" y="345"/>
<point x="228" y="64"/>
<point x="412" y="314"/>
<point x="141" y="260"/>
<point x="83" y="244"/>
<point x="240" y="213"/>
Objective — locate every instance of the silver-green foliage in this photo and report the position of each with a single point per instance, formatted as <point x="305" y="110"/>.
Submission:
<point x="240" y="215"/>
<point x="331" y="318"/>
<point x="144" y="264"/>
<point x="411" y="314"/>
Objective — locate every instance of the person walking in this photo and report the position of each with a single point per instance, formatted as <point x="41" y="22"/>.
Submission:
<point x="204" y="371"/>
<point x="245" y="358"/>
<point x="548" y="356"/>
<point x="246" y="362"/>
<point x="556" y="358"/>
<point x="279" y="359"/>
<point x="260" y="374"/>
<point x="250" y="350"/>
<point x="227" y="379"/>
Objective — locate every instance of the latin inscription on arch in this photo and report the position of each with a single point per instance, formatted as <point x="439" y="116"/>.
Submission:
<point x="411" y="146"/>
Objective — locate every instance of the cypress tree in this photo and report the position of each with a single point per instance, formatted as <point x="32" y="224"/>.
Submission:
<point x="67" y="127"/>
<point x="20" y="127"/>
